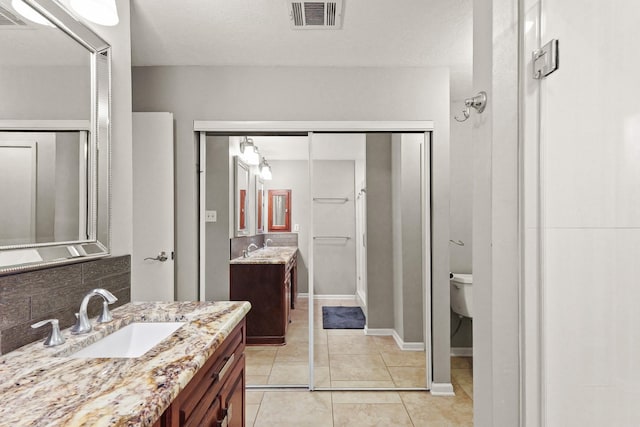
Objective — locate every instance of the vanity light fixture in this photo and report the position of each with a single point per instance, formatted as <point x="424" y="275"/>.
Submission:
<point x="101" y="12"/>
<point x="265" y="170"/>
<point x="249" y="151"/>
<point x="30" y="13"/>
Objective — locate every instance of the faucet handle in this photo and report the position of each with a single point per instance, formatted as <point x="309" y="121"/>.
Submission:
<point x="55" y="337"/>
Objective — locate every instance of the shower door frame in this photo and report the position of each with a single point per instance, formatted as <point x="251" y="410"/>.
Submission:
<point x="202" y="127"/>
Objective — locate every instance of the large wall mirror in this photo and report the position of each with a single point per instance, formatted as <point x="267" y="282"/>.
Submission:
<point x="241" y="195"/>
<point x="54" y="139"/>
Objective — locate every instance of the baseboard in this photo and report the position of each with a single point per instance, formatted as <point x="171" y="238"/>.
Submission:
<point x="462" y="351"/>
<point x="442" y="389"/>
<point x="406" y="346"/>
<point x="329" y="297"/>
<point x="379" y="332"/>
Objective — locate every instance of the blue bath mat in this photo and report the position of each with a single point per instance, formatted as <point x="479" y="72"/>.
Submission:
<point x="342" y="318"/>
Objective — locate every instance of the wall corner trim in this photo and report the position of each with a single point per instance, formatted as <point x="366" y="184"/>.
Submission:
<point x="442" y="389"/>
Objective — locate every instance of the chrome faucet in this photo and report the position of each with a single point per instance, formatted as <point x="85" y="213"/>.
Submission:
<point x="83" y="325"/>
<point x="266" y="243"/>
<point x="252" y="246"/>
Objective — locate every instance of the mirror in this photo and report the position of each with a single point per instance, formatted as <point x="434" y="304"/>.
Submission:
<point x="279" y="210"/>
<point x="241" y="183"/>
<point x="44" y="175"/>
<point x="259" y="205"/>
<point x="54" y="140"/>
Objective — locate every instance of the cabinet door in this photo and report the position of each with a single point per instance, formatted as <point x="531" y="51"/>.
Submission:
<point x="287" y="300"/>
<point x="233" y="398"/>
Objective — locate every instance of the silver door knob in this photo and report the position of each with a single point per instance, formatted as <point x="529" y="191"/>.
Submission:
<point x="162" y="257"/>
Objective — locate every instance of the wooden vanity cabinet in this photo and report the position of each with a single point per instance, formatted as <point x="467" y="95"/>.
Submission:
<point x="215" y="396"/>
<point x="292" y="271"/>
<point x="269" y="289"/>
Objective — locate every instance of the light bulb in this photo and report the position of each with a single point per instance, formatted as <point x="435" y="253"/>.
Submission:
<point x="266" y="173"/>
<point x="251" y="155"/>
<point x="265" y="170"/>
<point x="30" y="13"/>
<point x="101" y="12"/>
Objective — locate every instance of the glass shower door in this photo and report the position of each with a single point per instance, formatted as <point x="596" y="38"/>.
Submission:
<point x="582" y="211"/>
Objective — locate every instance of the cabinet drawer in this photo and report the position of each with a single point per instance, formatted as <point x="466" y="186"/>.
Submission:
<point x="200" y="395"/>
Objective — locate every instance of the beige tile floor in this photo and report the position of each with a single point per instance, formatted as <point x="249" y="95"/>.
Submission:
<point x="347" y="358"/>
<point x="342" y="358"/>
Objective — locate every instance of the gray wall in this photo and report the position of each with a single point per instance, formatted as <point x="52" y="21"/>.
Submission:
<point x="407" y="236"/>
<point x="67" y="186"/>
<point x="303" y="93"/>
<point x="46" y="188"/>
<point x="294" y="175"/>
<point x="411" y="229"/>
<point x="396" y="219"/>
<point x="380" y="298"/>
<point x="334" y="259"/>
<point x="45" y="93"/>
<point x="217" y="233"/>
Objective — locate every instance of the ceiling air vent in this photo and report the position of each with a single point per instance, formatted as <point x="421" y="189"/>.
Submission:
<point x="8" y="19"/>
<point x="315" y="15"/>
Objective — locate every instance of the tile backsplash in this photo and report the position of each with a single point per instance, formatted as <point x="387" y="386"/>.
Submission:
<point x="26" y="298"/>
<point x="278" y="239"/>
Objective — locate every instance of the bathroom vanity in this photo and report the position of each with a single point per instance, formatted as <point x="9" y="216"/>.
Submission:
<point x="267" y="278"/>
<point x="195" y="376"/>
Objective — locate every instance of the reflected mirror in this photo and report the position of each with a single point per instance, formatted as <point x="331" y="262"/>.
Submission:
<point x="54" y="139"/>
<point x="44" y="175"/>
<point x="259" y="205"/>
<point x="241" y="181"/>
<point x="279" y="211"/>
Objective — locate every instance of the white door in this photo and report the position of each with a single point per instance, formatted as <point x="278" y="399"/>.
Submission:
<point x="152" y="262"/>
<point x="18" y="184"/>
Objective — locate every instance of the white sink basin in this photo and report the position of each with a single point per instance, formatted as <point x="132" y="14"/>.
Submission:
<point x="133" y="340"/>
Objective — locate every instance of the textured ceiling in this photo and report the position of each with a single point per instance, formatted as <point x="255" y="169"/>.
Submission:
<point x="375" y="33"/>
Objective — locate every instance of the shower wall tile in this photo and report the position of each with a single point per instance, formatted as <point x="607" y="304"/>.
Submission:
<point x="26" y="298"/>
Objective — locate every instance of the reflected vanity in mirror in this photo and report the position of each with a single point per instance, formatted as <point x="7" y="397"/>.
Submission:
<point x="259" y="205"/>
<point x="241" y="193"/>
<point x="54" y="141"/>
<point x="279" y="210"/>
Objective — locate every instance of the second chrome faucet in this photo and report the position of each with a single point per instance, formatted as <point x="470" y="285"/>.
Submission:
<point x="83" y="325"/>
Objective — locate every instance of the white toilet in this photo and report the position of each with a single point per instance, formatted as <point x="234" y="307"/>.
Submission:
<point x="461" y="294"/>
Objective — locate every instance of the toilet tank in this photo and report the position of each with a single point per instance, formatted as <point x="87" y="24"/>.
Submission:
<point x="461" y="294"/>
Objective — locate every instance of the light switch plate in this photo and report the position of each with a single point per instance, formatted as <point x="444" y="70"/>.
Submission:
<point x="211" y="216"/>
<point x="296" y="227"/>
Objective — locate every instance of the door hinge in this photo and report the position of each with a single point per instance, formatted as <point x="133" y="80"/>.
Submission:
<point x="546" y="59"/>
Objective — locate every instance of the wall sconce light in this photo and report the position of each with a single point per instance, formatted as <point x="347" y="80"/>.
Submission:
<point x="249" y="151"/>
<point x="265" y="170"/>
<point x="101" y="12"/>
<point x="30" y="13"/>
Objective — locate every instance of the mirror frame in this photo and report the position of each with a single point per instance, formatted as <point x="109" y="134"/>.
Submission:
<point x="260" y="229"/>
<point x="286" y="227"/>
<point x="99" y="147"/>
<point x="239" y="164"/>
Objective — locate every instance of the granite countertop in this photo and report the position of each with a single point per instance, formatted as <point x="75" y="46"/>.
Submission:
<point x="269" y="255"/>
<point x="41" y="386"/>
